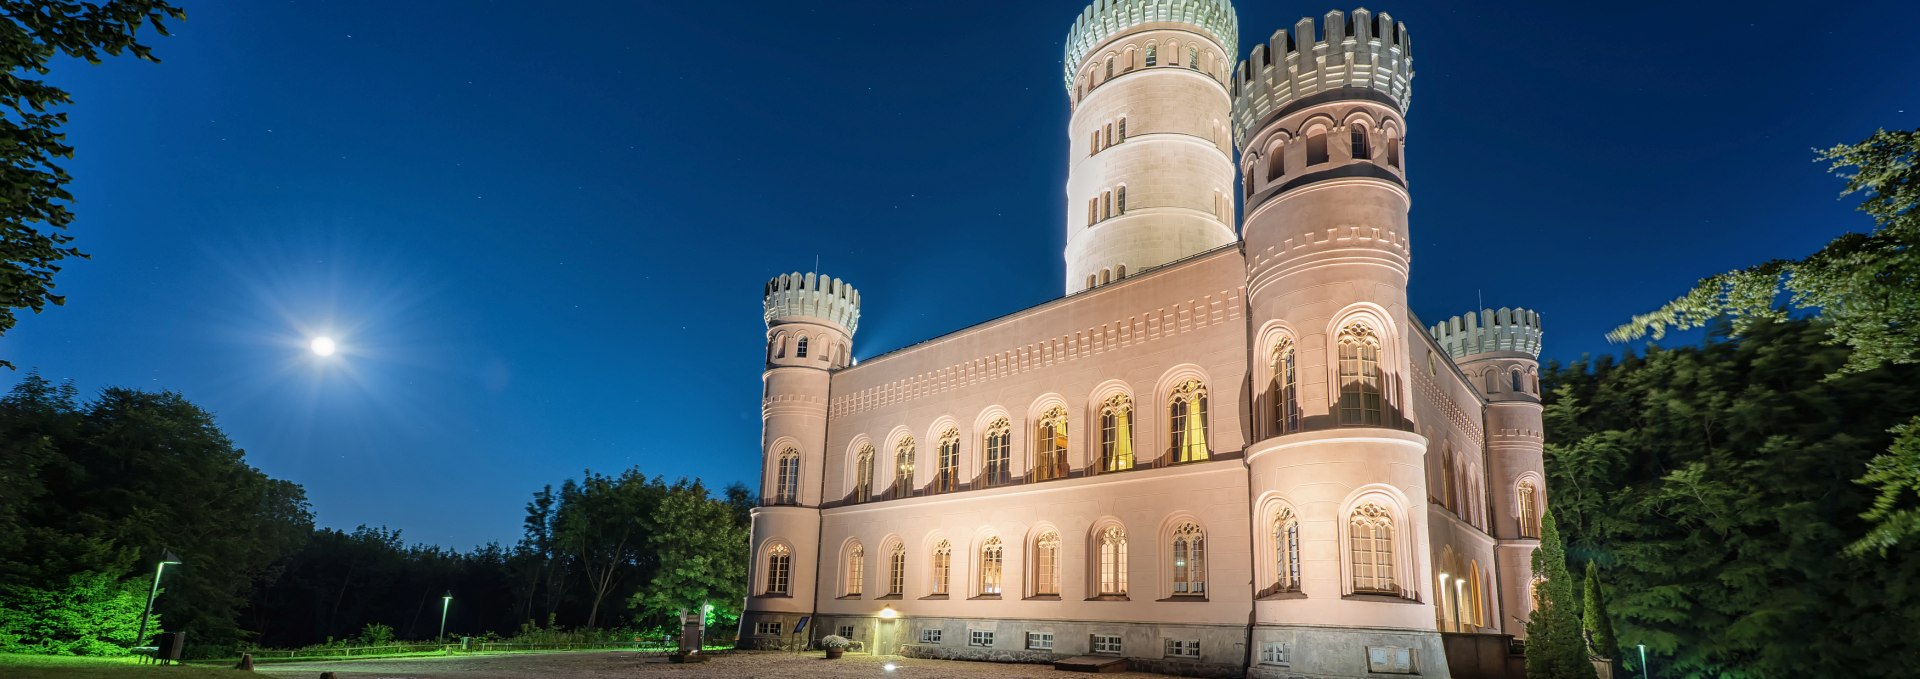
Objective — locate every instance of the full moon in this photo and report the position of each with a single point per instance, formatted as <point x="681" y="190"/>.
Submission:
<point x="323" y="346"/>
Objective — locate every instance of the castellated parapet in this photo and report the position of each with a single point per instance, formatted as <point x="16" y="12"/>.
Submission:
<point x="1489" y="331"/>
<point x="1362" y="50"/>
<point x="826" y="298"/>
<point x="1106" y="18"/>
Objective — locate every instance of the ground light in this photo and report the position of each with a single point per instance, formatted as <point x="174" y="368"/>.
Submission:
<point x="1643" y="661"/>
<point x="154" y="594"/>
<point x="446" y="602"/>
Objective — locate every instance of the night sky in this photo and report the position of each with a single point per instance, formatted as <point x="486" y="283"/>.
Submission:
<point x="539" y="230"/>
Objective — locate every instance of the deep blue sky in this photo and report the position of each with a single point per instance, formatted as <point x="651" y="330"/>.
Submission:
<point x="540" y="229"/>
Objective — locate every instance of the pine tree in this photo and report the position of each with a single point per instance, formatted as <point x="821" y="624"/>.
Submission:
<point x="1599" y="626"/>
<point x="1554" y="647"/>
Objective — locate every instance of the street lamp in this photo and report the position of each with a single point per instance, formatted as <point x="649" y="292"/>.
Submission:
<point x="153" y="594"/>
<point x="446" y="602"/>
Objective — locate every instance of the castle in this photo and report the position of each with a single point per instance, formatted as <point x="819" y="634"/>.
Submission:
<point x="1225" y="451"/>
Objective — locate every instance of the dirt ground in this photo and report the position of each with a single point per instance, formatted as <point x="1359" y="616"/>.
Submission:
<point x="760" y="665"/>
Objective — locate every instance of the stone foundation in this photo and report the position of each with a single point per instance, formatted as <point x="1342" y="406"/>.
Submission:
<point x="1348" y="653"/>
<point x="1222" y="647"/>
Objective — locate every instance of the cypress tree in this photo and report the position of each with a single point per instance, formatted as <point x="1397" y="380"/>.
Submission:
<point x="1554" y="647"/>
<point x="1598" y="624"/>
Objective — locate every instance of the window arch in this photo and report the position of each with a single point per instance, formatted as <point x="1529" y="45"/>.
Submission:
<point x="1371" y="544"/>
<point x="1050" y="445"/>
<point x="1276" y="158"/>
<point x="992" y="559"/>
<point x="947" y="479"/>
<point x="1361" y="149"/>
<point x="1529" y="510"/>
<point x="1187" y="422"/>
<point x="1286" y="548"/>
<point x="1111" y="547"/>
<point x="779" y="570"/>
<point x="1189" y="561"/>
<point x="787" y="478"/>
<point x="1116" y="433"/>
<point x="897" y="570"/>
<point x="800" y="349"/>
<point x="1518" y="385"/>
<point x="999" y="452"/>
<point x="856" y="569"/>
<point x="1285" y="387"/>
<point x="1478" y="611"/>
<point x="942" y="567"/>
<point x="1046" y="564"/>
<point x="1360" y="378"/>
<point x="863" y="474"/>
<point x="903" y="468"/>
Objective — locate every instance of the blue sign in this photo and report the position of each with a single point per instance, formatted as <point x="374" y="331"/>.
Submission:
<point x="801" y="626"/>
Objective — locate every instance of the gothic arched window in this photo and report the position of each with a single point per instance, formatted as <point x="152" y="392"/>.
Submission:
<point x="800" y="350"/>
<point x="1361" y="151"/>
<point x="1518" y="386"/>
<point x="1449" y="481"/>
<point x="787" y="478"/>
<point x="942" y="567"/>
<point x="897" y="570"/>
<point x="1116" y="434"/>
<point x="999" y="449"/>
<point x="779" y="569"/>
<point x="856" y="569"/>
<point x="1046" y="564"/>
<point x="1285" y="387"/>
<point x="903" y="469"/>
<point x="992" y="557"/>
<point x="1529" y="511"/>
<point x="863" y="475"/>
<point x="1189" y="561"/>
<point x="1286" y="547"/>
<point x="1360" y="378"/>
<point x="1371" y="534"/>
<point x="1112" y="550"/>
<point x="1050" y="445"/>
<point x="1188" y="422"/>
<point x="947" y="479"/>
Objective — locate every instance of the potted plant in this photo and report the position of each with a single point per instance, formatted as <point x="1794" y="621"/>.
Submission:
<point x="835" y="645"/>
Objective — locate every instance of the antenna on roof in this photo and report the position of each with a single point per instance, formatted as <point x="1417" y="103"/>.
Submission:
<point x="816" y="265"/>
<point x="1479" y="303"/>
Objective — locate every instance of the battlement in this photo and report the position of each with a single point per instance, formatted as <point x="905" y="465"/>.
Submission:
<point x="811" y="295"/>
<point x="1489" y="331"/>
<point x="1106" y="18"/>
<point x="1362" y="50"/>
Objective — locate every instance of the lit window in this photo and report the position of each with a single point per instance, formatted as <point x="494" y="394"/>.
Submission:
<point x="787" y="486"/>
<point x="1050" y="445"/>
<point x="1286" y="394"/>
<point x="903" y="469"/>
<point x="1116" y="434"/>
<point x="1046" y="565"/>
<point x="942" y="567"/>
<point x="1372" y="537"/>
<point x="1286" y="547"/>
<point x="1188" y="420"/>
<point x="991" y="558"/>
<point x="999" y="451"/>
<point x="1360" y="379"/>
<point x="1529" y="511"/>
<point x="948" y="478"/>
<point x="1113" y="562"/>
<point x="897" y="570"/>
<point x="1189" y="561"/>
<point x="779" y="569"/>
<point x="856" y="569"/>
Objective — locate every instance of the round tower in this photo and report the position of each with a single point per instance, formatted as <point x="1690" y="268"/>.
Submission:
<point x="1499" y="352"/>
<point x="810" y="324"/>
<point x="1319" y="121"/>
<point x="1150" y="165"/>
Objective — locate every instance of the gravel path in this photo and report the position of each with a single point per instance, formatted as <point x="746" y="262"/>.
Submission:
<point x="615" y="664"/>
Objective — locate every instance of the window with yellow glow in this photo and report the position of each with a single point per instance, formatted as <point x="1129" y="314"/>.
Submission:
<point x="1187" y="418"/>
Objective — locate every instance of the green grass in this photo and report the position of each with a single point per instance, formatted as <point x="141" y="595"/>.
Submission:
<point x="68" y="667"/>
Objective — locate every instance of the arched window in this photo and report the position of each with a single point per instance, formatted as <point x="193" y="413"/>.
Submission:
<point x="1193" y="58"/>
<point x="1092" y="280"/>
<point x="1050" y="445"/>
<point x="1286" y="547"/>
<point x="1529" y="511"/>
<point x="780" y="345"/>
<point x="1133" y="59"/>
<point x="1361" y="151"/>
<point x="1046" y="564"/>
<point x="863" y="475"/>
<point x="856" y="569"/>
<point x="1360" y="379"/>
<point x="1188" y="420"/>
<point x="1276" y="159"/>
<point x="800" y="350"/>
<point x="1106" y="204"/>
<point x="991" y="558"/>
<point x="1106" y="276"/>
<point x="787" y="483"/>
<point x="1449" y="496"/>
<point x="948" y="478"/>
<point x="779" y="570"/>
<point x="1189" y="561"/>
<point x="1286" y="392"/>
<point x="1153" y="56"/>
<point x="1109" y="68"/>
<point x="1109" y="129"/>
<point x="1518" y="386"/>
<point x="942" y="567"/>
<point x="1093" y="143"/>
<point x="1122" y="138"/>
<point x="1371" y="534"/>
<point x="903" y="469"/>
<point x="999" y="447"/>
<point x="1119" y="271"/>
<point x="1316" y="148"/>
<point x="1116" y="433"/>
<point x="1393" y="152"/>
<point x="1120" y="204"/>
<point x="1478" y="613"/>
<point x="1112" y="549"/>
<point x="897" y="570"/>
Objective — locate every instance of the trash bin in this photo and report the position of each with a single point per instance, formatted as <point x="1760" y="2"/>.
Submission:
<point x="170" y="645"/>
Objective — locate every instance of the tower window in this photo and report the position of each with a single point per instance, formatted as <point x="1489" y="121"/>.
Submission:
<point x="1109" y="68"/>
<point x="787" y="482"/>
<point x="1286" y="546"/>
<point x="1193" y="58"/>
<point x="1109" y="130"/>
<point x="1120" y="207"/>
<point x="1153" y="56"/>
<point x="1360" y="378"/>
<point x="1286" y="396"/>
<point x="1361" y="151"/>
<point x="800" y="350"/>
<point x="1276" y="159"/>
<point x="1316" y="148"/>
<point x="779" y="569"/>
<point x="1123" y="130"/>
<point x="1371" y="535"/>
<point x="1106" y="204"/>
<point x="1529" y="512"/>
<point x="1393" y="152"/>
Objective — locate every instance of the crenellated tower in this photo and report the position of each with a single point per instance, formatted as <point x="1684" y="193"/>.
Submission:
<point x="1499" y="351"/>
<point x="810" y="324"/>
<point x="1150" y="169"/>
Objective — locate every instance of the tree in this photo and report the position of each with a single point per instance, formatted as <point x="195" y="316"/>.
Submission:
<point x="1554" y="647"/>
<point x="601" y="522"/>
<point x="1865" y="285"/>
<point x="1597" y="624"/>
<point x="33" y="196"/>
<point x="702" y="551"/>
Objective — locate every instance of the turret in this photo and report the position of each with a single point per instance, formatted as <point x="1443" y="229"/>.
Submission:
<point x="1150" y="169"/>
<point x="810" y="324"/>
<point x="1499" y="352"/>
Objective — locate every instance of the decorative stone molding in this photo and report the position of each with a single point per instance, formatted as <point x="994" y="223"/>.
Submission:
<point x="1106" y="18"/>
<point x="796" y="295"/>
<point x="1489" y="331"/>
<point x="1365" y="51"/>
<point x="1470" y="424"/>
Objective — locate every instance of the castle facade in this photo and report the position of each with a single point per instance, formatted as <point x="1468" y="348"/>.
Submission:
<point x="1229" y="450"/>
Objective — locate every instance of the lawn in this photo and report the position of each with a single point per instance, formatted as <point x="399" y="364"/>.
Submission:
<point x="66" y="667"/>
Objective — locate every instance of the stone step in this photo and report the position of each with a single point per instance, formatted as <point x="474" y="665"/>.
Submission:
<point x="1091" y="663"/>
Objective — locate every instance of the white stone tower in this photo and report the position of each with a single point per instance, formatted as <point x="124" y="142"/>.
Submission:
<point x="1319" y="118"/>
<point x="810" y="324"/>
<point x="1499" y="351"/>
<point x="1150" y="169"/>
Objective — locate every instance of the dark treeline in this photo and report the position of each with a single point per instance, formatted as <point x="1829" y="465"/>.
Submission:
<point x="94" y="494"/>
<point x="1715" y="489"/>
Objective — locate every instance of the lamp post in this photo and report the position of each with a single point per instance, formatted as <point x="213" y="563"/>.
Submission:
<point x="446" y="602"/>
<point x="154" y="594"/>
<point x="1643" y="661"/>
